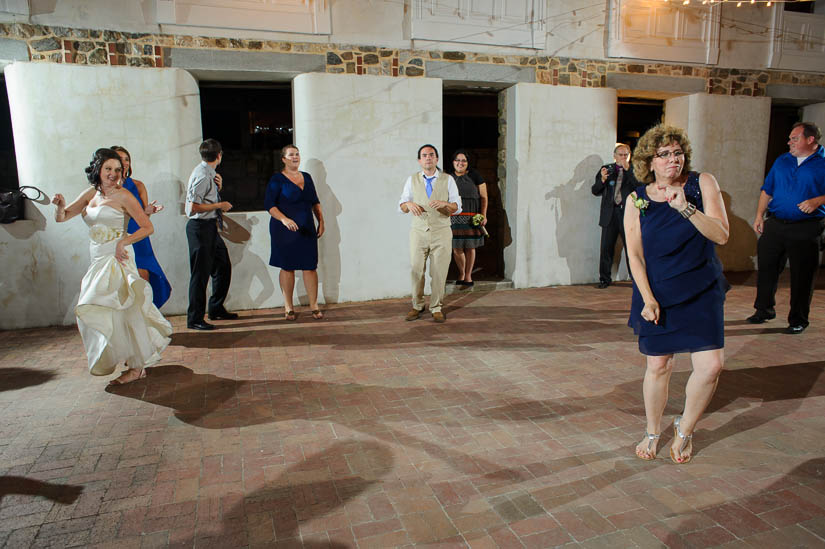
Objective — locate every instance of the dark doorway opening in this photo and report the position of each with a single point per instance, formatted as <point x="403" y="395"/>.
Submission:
<point x="471" y="122"/>
<point x="636" y="116"/>
<point x="252" y="121"/>
<point x="8" y="160"/>
<point x="783" y="117"/>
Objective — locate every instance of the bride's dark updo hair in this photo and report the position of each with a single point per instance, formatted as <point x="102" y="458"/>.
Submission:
<point x="93" y="169"/>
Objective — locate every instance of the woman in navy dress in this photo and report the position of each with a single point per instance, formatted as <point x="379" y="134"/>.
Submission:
<point x="678" y="286"/>
<point x="291" y="200"/>
<point x="148" y="266"/>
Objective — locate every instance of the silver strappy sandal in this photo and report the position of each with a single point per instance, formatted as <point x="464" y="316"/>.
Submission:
<point x="687" y="443"/>
<point x="650" y="440"/>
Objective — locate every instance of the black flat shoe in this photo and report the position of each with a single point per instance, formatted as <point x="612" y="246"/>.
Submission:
<point x="759" y="317"/>
<point x="224" y="316"/>
<point x="200" y="326"/>
<point x="602" y="285"/>
<point x="798" y="329"/>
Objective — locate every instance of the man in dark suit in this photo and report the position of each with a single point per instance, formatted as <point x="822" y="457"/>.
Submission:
<point x="613" y="182"/>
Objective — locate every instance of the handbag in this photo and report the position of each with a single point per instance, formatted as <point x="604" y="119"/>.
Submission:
<point x="11" y="203"/>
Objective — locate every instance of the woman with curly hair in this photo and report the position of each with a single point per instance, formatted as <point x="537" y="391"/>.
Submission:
<point x="673" y="223"/>
<point x="115" y="315"/>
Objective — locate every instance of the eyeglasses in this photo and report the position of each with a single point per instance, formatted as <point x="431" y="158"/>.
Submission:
<point x="459" y="161"/>
<point x="667" y="154"/>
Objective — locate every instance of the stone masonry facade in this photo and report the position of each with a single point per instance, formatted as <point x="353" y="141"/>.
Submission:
<point x="103" y="47"/>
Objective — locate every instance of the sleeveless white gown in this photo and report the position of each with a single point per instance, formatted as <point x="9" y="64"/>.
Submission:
<point x="115" y="315"/>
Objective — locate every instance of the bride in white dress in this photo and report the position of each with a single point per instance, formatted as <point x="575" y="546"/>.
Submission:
<point x="115" y="315"/>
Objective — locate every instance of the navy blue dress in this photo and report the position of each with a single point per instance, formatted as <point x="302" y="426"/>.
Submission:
<point x="145" y="256"/>
<point x="686" y="279"/>
<point x="293" y="250"/>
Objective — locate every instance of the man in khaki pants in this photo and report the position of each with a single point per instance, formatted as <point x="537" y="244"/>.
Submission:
<point x="432" y="197"/>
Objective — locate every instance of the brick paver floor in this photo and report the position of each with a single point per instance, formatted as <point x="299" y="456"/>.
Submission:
<point x="511" y="425"/>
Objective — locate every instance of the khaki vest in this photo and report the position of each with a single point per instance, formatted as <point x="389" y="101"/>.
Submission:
<point x="431" y="219"/>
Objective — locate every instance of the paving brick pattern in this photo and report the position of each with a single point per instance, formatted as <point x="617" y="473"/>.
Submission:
<point x="512" y="425"/>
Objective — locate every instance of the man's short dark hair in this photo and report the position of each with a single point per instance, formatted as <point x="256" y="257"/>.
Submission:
<point x="809" y="129"/>
<point x="422" y="147"/>
<point x="210" y="149"/>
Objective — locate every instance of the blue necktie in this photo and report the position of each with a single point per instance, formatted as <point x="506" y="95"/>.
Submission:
<point x="429" y="187"/>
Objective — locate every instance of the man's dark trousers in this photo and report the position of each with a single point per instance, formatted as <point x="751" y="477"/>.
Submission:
<point x="208" y="256"/>
<point x="799" y="242"/>
<point x="610" y="232"/>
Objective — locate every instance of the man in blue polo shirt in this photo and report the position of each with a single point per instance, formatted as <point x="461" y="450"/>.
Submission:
<point x="794" y="197"/>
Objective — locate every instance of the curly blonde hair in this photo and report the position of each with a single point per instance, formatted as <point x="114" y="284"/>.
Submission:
<point x="661" y="135"/>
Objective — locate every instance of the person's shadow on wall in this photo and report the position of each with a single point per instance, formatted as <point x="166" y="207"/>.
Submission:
<point x="246" y="265"/>
<point x="329" y="245"/>
<point x="571" y="224"/>
<point x="740" y="251"/>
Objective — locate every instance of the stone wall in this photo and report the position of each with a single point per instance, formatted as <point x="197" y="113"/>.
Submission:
<point x="103" y="47"/>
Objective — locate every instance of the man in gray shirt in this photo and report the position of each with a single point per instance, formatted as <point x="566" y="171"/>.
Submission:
<point x="208" y="255"/>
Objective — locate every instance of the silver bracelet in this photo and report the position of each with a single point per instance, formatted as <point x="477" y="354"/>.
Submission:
<point x="689" y="210"/>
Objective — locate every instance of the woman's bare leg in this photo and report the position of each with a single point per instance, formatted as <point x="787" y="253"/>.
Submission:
<point x="287" y="281"/>
<point x="707" y="365"/>
<point x="460" y="261"/>
<point x="311" y="285"/>
<point x="654" y="389"/>
<point x="470" y="254"/>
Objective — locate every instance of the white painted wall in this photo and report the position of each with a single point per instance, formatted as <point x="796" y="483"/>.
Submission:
<point x="729" y="138"/>
<point x="815" y="114"/>
<point x="61" y="115"/>
<point x="359" y="136"/>
<point x="557" y="139"/>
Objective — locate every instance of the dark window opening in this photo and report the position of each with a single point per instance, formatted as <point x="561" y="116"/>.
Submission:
<point x="802" y="6"/>
<point x="635" y="117"/>
<point x="252" y="121"/>
<point x="8" y="160"/>
<point x="470" y="121"/>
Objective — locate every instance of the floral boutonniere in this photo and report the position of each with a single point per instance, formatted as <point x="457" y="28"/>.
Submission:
<point x="640" y="203"/>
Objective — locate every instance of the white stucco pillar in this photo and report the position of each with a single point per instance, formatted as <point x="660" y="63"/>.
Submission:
<point x="557" y="138"/>
<point x="816" y="114"/>
<point x="60" y="115"/>
<point x="729" y="138"/>
<point x="358" y="137"/>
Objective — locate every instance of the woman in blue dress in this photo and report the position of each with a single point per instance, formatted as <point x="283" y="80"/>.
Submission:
<point x="148" y="266"/>
<point x="291" y="200"/>
<point x="678" y="286"/>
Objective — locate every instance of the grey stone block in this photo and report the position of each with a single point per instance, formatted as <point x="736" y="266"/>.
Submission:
<point x="13" y="50"/>
<point x="245" y="65"/>
<point x="501" y="75"/>
<point x="655" y="82"/>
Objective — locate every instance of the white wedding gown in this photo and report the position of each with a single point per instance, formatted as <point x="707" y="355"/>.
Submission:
<point x="115" y="315"/>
